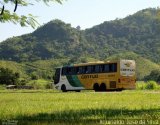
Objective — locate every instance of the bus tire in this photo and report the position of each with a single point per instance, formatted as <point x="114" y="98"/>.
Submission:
<point x="78" y="90"/>
<point x="96" y="87"/>
<point x="103" y="87"/>
<point x="119" y="90"/>
<point x="63" y="88"/>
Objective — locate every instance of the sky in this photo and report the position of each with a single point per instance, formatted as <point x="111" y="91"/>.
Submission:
<point x="85" y="13"/>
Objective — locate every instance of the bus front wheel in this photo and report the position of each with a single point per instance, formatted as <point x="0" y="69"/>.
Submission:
<point x="96" y="87"/>
<point x="78" y="90"/>
<point x="63" y="88"/>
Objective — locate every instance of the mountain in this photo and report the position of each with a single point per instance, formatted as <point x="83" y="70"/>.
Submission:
<point x="138" y="33"/>
<point x="53" y="40"/>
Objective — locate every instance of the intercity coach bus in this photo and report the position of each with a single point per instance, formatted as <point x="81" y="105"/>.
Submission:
<point x="98" y="76"/>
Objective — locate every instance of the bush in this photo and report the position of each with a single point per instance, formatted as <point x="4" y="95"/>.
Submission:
<point x="2" y="87"/>
<point x="140" y="85"/>
<point x="151" y="85"/>
<point x="34" y="76"/>
<point x="40" y="84"/>
<point x="49" y="86"/>
<point x="154" y="75"/>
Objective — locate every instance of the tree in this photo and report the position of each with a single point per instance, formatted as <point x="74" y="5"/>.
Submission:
<point x="154" y="75"/>
<point x="7" y="76"/>
<point x="12" y="16"/>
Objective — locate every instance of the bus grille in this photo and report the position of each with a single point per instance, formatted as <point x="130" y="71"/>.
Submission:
<point x="112" y="84"/>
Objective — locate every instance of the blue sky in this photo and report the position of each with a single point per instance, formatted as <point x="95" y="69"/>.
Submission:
<point x="85" y="13"/>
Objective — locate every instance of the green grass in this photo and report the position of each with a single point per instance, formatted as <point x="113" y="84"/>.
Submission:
<point x="45" y="107"/>
<point x="2" y="87"/>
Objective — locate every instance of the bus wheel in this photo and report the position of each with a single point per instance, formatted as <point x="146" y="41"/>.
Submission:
<point x="103" y="87"/>
<point x="119" y="90"/>
<point x="78" y="90"/>
<point x="96" y="87"/>
<point x="63" y="88"/>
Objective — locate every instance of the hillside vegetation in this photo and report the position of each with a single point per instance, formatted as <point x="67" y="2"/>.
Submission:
<point x="137" y="33"/>
<point x="46" y="68"/>
<point x="57" y="43"/>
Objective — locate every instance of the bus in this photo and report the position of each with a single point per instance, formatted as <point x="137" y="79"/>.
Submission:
<point x="98" y="76"/>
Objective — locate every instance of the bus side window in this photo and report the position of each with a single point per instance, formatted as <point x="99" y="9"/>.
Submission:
<point x="97" y="68"/>
<point x="80" y="70"/>
<point x="113" y="67"/>
<point x="76" y="70"/>
<point x="106" y="68"/>
<point x="101" y="68"/>
<point x="84" y="69"/>
<point x="64" y="71"/>
<point x="68" y="71"/>
<point x="110" y="68"/>
<point x="89" y="69"/>
<point x="72" y="71"/>
<point x="92" y="69"/>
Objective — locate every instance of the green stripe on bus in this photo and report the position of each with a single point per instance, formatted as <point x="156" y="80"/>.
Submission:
<point x="74" y="81"/>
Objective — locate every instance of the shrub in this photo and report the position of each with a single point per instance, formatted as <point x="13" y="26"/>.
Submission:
<point x="34" y="76"/>
<point x="154" y="75"/>
<point x="2" y="87"/>
<point x="140" y="85"/>
<point x="151" y="85"/>
<point x="40" y="84"/>
<point x="22" y="81"/>
<point x="49" y="85"/>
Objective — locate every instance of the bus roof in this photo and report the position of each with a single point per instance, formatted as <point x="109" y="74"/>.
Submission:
<point x="95" y="63"/>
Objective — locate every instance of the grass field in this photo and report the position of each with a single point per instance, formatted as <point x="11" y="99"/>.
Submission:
<point x="48" y="107"/>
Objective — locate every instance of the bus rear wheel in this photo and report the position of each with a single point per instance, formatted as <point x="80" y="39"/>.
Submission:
<point x="96" y="87"/>
<point x="63" y="88"/>
<point x="103" y="87"/>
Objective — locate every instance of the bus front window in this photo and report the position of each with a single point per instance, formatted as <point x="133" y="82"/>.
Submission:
<point x="57" y="76"/>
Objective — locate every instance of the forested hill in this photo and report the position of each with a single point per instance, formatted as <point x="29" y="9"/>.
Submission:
<point x="137" y="33"/>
